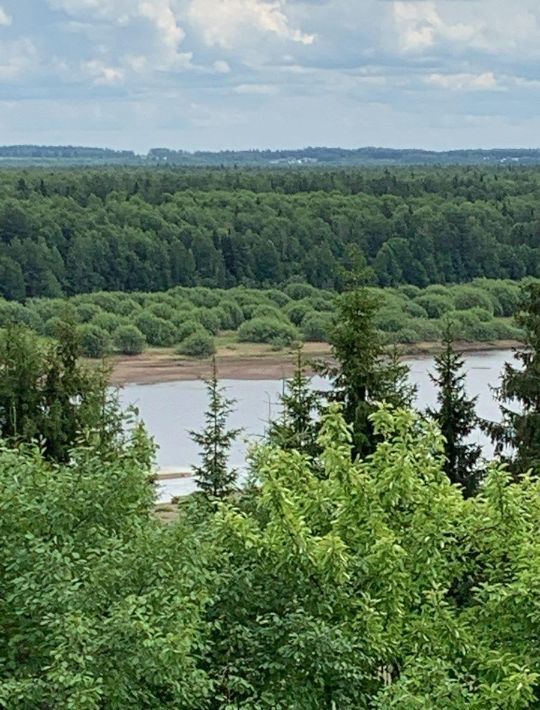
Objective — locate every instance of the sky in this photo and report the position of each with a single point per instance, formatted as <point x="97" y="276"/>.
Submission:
<point x="239" y="74"/>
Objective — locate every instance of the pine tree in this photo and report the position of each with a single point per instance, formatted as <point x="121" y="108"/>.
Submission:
<point x="214" y="476"/>
<point x="456" y="417"/>
<point x="517" y="436"/>
<point x="297" y="429"/>
<point x="364" y="373"/>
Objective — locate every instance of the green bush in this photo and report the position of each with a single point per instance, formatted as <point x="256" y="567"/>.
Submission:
<point x="467" y="297"/>
<point x="108" y="321"/>
<point x="266" y="330"/>
<point x="232" y="317"/>
<point x="414" y="310"/>
<point x="53" y="326"/>
<point x="298" y="291"/>
<point x="95" y="342"/>
<point x="129" y="340"/>
<point x="199" y="344"/>
<point x="434" y="304"/>
<point x="481" y="314"/>
<point x="157" y="331"/>
<point x="266" y="311"/>
<point x="161" y="310"/>
<point x="316" y="327"/>
<point x="405" y="336"/>
<point x="16" y="314"/>
<point x="204" y="297"/>
<point x="428" y="330"/>
<point x="87" y="311"/>
<point x="390" y="320"/>
<point x="209" y="319"/>
<point x="279" y="298"/>
<point x="187" y="328"/>
<point x="297" y="310"/>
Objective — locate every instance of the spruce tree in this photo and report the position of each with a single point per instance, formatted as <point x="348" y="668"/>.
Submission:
<point x="517" y="436"/>
<point x="364" y="372"/>
<point x="214" y="476"/>
<point x="456" y="417"/>
<point x="297" y="429"/>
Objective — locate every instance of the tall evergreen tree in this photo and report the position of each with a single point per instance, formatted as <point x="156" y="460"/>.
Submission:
<point x="214" y="476"/>
<point x="517" y="436"/>
<point x="456" y="417"/>
<point x="297" y="429"/>
<point x="364" y="372"/>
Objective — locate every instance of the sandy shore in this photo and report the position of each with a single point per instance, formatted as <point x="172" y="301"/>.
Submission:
<point x="247" y="363"/>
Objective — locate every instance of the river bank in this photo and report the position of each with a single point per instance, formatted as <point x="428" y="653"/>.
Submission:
<point x="250" y="362"/>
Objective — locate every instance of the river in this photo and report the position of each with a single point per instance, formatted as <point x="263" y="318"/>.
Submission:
<point x="172" y="409"/>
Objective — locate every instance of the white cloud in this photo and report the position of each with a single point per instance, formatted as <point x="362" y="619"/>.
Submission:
<point x="464" y="82"/>
<point x="420" y="25"/>
<point x="5" y="19"/>
<point x="226" y="22"/>
<point x="256" y="89"/>
<point x="17" y="58"/>
<point x="221" y="66"/>
<point x="102" y="74"/>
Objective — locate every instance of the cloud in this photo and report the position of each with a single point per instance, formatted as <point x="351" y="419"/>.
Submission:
<point x="464" y="82"/>
<point x="221" y="66"/>
<point x="256" y="89"/>
<point x="228" y="22"/>
<point x="101" y="74"/>
<point x="17" y="59"/>
<point x="5" y="19"/>
<point x="420" y="26"/>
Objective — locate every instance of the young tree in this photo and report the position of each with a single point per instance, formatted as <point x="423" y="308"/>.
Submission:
<point x="297" y="429"/>
<point x="456" y="417"/>
<point x="214" y="476"/>
<point x="48" y="397"/>
<point x="364" y="373"/>
<point x="517" y="437"/>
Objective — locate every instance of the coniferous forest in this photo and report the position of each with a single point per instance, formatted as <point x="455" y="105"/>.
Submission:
<point x="373" y="557"/>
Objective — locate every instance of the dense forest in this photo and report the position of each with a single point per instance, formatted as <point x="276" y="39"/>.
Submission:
<point x="324" y="156"/>
<point x="70" y="231"/>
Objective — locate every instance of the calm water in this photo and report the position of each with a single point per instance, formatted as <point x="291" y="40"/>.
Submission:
<point x="172" y="409"/>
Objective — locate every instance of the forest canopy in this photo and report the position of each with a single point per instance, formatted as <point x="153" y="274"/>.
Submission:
<point x="70" y="231"/>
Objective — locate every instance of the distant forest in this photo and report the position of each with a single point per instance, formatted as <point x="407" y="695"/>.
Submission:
<point x="70" y="231"/>
<point x="27" y="155"/>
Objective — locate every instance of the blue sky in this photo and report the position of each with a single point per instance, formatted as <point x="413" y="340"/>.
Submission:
<point x="212" y="74"/>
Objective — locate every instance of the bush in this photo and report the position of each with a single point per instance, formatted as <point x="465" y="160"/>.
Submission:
<point x="467" y="297"/>
<point x="161" y="310"/>
<point x="434" y="304"/>
<point x="266" y="311"/>
<point x="108" y="321"/>
<point x="87" y="311"/>
<point x="204" y="297"/>
<point x="316" y="327"/>
<point x="200" y="344"/>
<point x="405" y="336"/>
<point x="267" y="330"/>
<point x="279" y="298"/>
<point x="409" y="291"/>
<point x="187" y="328"/>
<point x="298" y="291"/>
<point x="482" y="314"/>
<point x="232" y="317"/>
<point x="53" y="326"/>
<point x="129" y="340"/>
<point x="428" y="330"/>
<point x="95" y="342"/>
<point x="505" y="296"/>
<point x="414" y="310"/>
<point x="297" y="310"/>
<point x="209" y="319"/>
<point x="157" y="331"/>
<point x="390" y="320"/>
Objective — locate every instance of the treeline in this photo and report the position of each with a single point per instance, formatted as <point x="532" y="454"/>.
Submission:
<point x="192" y="318"/>
<point x="72" y="231"/>
<point x="355" y="570"/>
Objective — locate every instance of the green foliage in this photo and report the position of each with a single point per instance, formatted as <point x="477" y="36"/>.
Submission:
<point x="214" y="476"/>
<point x="47" y="397"/>
<point x="316" y="327"/>
<point x="199" y="344"/>
<point x="517" y="437"/>
<point x="266" y="330"/>
<point x="102" y="606"/>
<point x="129" y="340"/>
<point x="456" y="417"/>
<point x="95" y="342"/>
<point x="363" y="374"/>
<point x="435" y="304"/>
<point x="157" y="331"/>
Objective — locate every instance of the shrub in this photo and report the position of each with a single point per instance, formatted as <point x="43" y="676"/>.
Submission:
<point x="204" y="297"/>
<point x="199" y="344"/>
<point x="108" y="321"/>
<point x="279" y="298"/>
<point x="87" y="311"/>
<point x="129" y="340"/>
<point x="390" y="320"/>
<point x="405" y="336"/>
<point x="505" y="296"/>
<point x="316" y="327"/>
<point x="232" y="315"/>
<point x="53" y="326"/>
<point x="297" y="310"/>
<point x="161" y="310"/>
<point x="157" y="331"/>
<point x="482" y="314"/>
<point x="105" y="300"/>
<point x="17" y="314"/>
<point x="209" y="319"/>
<point x="266" y="311"/>
<point x="434" y="304"/>
<point x="298" y="291"/>
<point x="426" y="329"/>
<point x="95" y="342"/>
<point x="414" y="310"/>
<point x="409" y="291"/>
<point x="266" y="330"/>
<point x="187" y="328"/>
<point x="467" y="297"/>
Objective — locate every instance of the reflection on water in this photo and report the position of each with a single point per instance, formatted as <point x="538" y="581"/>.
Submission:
<point x="171" y="410"/>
